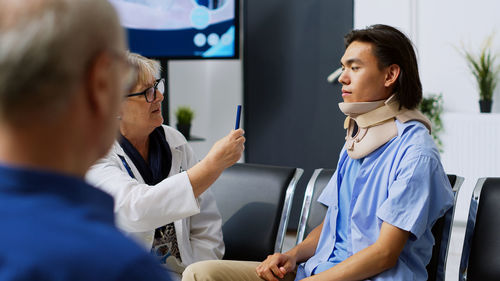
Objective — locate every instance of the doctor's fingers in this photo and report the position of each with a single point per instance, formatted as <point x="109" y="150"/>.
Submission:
<point x="235" y="134"/>
<point x="236" y="144"/>
<point x="241" y="140"/>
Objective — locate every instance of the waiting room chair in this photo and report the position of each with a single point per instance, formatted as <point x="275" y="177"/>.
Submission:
<point x="314" y="212"/>
<point x="442" y="232"/>
<point x="481" y="251"/>
<point x="255" y="203"/>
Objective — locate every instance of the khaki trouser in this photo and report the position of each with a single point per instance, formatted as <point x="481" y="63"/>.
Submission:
<point x="224" y="270"/>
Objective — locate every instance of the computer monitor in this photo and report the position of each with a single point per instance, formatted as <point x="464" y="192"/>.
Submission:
<point x="181" y="29"/>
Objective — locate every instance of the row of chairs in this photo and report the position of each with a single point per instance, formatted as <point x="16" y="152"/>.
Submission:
<point x="255" y="203"/>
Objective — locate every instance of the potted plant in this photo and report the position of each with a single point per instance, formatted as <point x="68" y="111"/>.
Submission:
<point x="184" y="115"/>
<point x="432" y="107"/>
<point x="485" y="69"/>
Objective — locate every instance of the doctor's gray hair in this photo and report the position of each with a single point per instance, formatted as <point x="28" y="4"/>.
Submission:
<point x="46" y="48"/>
<point x="146" y="69"/>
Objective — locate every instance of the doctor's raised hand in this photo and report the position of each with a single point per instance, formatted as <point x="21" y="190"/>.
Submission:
<point x="223" y="154"/>
<point x="226" y="151"/>
<point x="159" y="187"/>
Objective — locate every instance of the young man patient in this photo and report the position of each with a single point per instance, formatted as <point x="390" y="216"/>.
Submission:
<point x="389" y="186"/>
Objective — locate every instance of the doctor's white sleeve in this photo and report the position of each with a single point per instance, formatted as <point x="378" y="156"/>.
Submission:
<point x="140" y="207"/>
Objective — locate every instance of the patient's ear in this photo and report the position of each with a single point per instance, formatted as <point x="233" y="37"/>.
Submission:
<point x="392" y="74"/>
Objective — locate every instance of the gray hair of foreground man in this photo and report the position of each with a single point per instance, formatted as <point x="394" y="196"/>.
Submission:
<point x="46" y="47"/>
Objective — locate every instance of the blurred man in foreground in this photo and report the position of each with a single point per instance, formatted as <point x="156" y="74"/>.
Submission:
<point x="63" y="75"/>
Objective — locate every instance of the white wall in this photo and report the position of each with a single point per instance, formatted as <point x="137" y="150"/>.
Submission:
<point x="397" y="13"/>
<point x="444" y="26"/>
<point x="438" y="27"/>
<point x="213" y="89"/>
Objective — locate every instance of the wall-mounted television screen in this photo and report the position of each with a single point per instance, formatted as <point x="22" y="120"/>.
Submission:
<point x="181" y="29"/>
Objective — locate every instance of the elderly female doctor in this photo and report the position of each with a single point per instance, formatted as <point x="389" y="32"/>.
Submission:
<point x="160" y="190"/>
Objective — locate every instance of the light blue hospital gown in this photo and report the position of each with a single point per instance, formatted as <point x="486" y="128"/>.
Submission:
<point x="402" y="183"/>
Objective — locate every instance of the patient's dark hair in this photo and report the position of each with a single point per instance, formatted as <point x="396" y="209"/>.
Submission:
<point x="391" y="46"/>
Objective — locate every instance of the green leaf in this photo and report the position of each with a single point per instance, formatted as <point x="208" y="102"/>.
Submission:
<point x="432" y="107"/>
<point x="484" y="68"/>
<point x="184" y="115"/>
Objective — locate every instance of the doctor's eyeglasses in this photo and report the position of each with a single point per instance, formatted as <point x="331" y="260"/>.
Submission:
<point x="150" y="93"/>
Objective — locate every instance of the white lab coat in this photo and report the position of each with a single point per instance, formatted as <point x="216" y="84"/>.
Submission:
<point x="140" y="208"/>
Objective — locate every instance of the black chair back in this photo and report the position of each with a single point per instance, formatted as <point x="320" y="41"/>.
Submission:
<point x="482" y="233"/>
<point x="442" y="232"/>
<point x="255" y="203"/>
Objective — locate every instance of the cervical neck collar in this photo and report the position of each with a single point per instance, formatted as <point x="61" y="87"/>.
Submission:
<point x="372" y="124"/>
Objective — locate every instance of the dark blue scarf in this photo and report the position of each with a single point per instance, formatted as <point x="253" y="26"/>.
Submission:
<point x="160" y="157"/>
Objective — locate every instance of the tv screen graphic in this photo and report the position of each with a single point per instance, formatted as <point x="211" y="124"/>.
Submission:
<point x="181" y="28"/>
